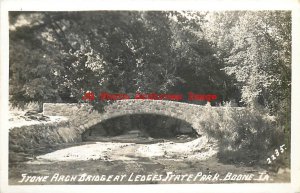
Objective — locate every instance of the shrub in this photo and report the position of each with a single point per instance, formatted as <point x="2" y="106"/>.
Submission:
<point x="33" y="106"/>
<point x="243" y="134"/>
<point x="13" y="108"/>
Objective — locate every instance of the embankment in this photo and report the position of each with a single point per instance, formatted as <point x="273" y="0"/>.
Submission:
<point x="34" y="134"/>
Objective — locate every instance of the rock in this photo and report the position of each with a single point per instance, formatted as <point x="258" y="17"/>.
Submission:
<point x="35" y="115"/>
<point x="31" y="112"/>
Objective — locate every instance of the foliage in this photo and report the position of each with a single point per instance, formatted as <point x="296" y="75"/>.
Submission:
<point x="244" y="135"/>
<point x="33" y="106"/>
<point x="256" y="50"/>
<point x="58" y="56"/>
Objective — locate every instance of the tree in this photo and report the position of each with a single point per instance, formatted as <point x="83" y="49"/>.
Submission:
<point x="256" y="49"/>
<point x="115" y="51"/>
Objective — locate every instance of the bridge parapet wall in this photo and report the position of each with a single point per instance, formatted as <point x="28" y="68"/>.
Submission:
<point x="131" y="105"/>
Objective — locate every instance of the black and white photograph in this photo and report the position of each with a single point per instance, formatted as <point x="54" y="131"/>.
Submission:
<point x="149" y="97"/>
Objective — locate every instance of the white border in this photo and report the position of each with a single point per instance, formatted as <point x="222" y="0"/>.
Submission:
<point x="81" y="5"/>
<point x="76" y="5"/>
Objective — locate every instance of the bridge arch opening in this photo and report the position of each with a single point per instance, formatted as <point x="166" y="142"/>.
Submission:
<point x="141" y="128"/>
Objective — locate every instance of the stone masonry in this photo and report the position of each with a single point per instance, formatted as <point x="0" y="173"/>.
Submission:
<point x="81" y="118"/>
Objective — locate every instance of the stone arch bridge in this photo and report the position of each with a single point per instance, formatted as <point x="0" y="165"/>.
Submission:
<point x="81" y="118"/>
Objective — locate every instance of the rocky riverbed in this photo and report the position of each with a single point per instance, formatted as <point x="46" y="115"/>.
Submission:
<point x="198" y="149"/>
<point x="179" y="157"/>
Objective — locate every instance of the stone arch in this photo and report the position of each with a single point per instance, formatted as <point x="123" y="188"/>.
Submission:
<point x="179" y="126"/>
<point x="182" y="111"/>
<point x="81" y="119"/>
